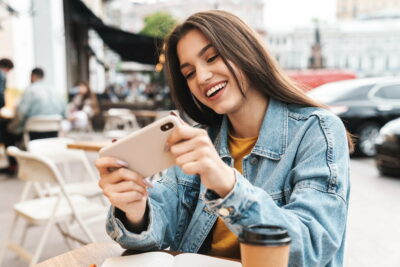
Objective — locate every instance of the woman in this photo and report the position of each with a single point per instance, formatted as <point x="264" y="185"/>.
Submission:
<point x="269" y="155"/>
<point x="83" y="107"/>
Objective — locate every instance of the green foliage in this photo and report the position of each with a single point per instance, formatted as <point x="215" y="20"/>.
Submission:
<point x="158" y="24"/>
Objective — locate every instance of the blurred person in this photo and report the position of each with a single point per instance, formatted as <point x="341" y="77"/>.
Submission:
<point x="5" y="66"/>
<point x="150" y="91"/>
<point x="83" y="107"/>
<point x="37" y="99"/>
<point x="109" y="94"/>
<point x="264" y="153"/>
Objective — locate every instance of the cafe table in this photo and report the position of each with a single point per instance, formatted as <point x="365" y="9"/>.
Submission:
<point x="92" y="145"/>
<point x="94" y="253"/>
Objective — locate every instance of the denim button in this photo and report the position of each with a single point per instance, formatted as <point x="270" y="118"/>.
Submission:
<point x="253" y="160"/>
<point x="223" y="212"/>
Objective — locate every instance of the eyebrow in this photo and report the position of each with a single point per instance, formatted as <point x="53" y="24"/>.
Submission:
<point x="202" y="51"/>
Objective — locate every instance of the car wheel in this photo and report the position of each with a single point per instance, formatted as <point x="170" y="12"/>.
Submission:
<point x="387" y="172"/>
<point x="366" y="137"/>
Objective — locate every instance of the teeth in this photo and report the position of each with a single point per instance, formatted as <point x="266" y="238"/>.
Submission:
<point x="216" y="88"/>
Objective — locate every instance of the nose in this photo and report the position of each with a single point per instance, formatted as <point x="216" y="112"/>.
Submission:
<point x="204" y="75"/>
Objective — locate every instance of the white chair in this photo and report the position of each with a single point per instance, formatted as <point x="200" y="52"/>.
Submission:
<point x="3" y="157"/>
<point x="55" y="149"/>
<point x="42" y="123"/>
<point x="64" y="211"/>
<point x="119" y="122"/>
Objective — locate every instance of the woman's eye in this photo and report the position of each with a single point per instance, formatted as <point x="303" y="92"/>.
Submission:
<point x="211" y="59"/>
<point x="189" y="75"/>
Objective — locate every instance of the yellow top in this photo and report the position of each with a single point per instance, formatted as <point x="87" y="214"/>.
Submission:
<point x="224" y="242"/>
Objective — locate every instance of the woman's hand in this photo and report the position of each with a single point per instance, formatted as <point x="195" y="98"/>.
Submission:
<point x="195" y="154"/>
<point x="124" y="188"/>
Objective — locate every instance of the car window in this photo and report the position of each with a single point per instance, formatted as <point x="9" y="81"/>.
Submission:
<point x="389" y="92"/>
<point x="331" y="92"/>
<point x="360" y="93"/>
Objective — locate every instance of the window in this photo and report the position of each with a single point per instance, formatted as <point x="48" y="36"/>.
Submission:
<point x="389" y="92"/>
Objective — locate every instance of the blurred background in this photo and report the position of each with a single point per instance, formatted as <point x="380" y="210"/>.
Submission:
<point x="344" y="53"/>
<point x="115" y="45"/>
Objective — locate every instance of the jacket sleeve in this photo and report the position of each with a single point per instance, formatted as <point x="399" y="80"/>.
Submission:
<point x="315" y="211"/>
<point x="160" y="232"/>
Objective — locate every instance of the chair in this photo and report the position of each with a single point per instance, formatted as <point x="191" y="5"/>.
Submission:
<point x="3" y="157"/>
<point x="119" y="122"/>
<point x="55" y="149"/>
<point x="64" y="211"/>
<point x="42" y="123"/>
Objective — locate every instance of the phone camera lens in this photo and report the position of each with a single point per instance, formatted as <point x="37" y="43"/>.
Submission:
<point x="167" y="126"/>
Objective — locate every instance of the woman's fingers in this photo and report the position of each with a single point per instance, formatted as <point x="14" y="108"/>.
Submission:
<point x="184" y="136"/>
<point x="108" y="164"/>
<point x="184" y="132"/>
<point x="198" y="142"/>
<point x="179" y="118"/>
<point x="121" y="199"/>
<point x="192" y="156"/>
<point x="191" y="168"/>
<point x="121" y="174"/>
<point x="122" y="187"/>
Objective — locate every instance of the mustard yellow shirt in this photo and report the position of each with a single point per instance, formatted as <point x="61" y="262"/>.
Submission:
<point x="224" y="242"/>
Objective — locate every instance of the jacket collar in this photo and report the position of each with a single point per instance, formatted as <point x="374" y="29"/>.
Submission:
<point x="272" y="139"/>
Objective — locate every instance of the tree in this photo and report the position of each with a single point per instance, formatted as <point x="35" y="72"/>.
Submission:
<point x="158" y="24"/>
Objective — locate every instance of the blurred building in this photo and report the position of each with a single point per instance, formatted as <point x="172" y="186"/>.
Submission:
<point x="129" y="15"/>
<point x="367" y="46"/>
<point x="84" y="48"/>
<point x="352" y="9"/>
<point x="66" y="39"/>
<point x="31" y="35"/>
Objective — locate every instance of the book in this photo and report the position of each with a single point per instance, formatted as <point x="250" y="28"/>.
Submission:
<point x="163" y="259"/>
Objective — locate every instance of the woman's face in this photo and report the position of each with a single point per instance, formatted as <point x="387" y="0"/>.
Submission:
<point x="82" y="89"/>
<point x="207" y="76"/>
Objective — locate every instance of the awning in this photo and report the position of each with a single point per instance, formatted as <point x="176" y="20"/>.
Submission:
<point x="130" y="46"/>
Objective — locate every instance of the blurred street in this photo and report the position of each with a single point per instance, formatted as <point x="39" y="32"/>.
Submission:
<point x="373" y="226"/>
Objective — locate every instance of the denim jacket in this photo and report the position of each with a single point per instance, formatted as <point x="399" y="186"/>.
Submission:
<point x="296" y="176"/>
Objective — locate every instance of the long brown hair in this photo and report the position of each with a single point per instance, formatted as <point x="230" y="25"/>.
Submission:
<point x="88" y="95"/>
<point x="235" y="42"/>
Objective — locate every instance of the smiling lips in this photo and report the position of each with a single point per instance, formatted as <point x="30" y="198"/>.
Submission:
<point x="215" y="89"/>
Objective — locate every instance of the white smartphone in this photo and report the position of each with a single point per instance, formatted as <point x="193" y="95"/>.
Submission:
<point x="144" y="150"/>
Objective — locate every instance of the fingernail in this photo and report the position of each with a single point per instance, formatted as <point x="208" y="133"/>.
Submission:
<point x="114" y="140"/>
<point x="122" y="163"/>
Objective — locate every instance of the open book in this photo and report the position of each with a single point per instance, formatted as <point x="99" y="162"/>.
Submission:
<point x="163" y="259"/>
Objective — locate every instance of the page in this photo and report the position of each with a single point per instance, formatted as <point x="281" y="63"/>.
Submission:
<point x="198" y="260"/>
<point x="148" y="259"/>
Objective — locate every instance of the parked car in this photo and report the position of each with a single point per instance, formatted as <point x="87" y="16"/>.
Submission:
<point x="387" y="156"/>
<point x="364" y="105"/>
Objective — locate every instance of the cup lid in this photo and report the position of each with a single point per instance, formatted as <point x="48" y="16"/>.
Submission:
<point x="262" y="234"/>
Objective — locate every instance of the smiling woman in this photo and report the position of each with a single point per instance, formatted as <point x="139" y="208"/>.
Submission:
<point x="263" y="153"/>
<point x="211" y="82"/>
